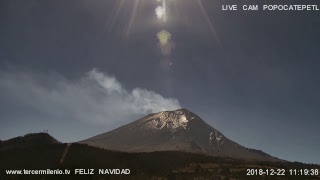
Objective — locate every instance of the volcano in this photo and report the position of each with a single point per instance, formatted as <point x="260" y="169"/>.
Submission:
<point x="179" y="130"/>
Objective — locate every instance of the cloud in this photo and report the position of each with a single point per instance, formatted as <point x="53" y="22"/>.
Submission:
<point x="96" y="98"/>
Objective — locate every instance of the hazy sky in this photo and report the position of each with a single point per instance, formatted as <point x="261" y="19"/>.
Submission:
<point x="83" y="67"/>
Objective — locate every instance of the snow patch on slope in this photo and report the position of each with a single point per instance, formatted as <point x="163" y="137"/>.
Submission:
<point x="216" y="137"/>
<point x="172" y="120"/>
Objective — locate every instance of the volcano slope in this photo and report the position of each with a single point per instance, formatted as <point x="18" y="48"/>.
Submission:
<point x="179" y="130"/>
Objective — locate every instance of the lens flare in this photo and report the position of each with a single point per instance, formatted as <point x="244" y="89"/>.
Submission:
<point x="164" y="36"/>
<point x="160" y="12"/>
<point x="132" y="17"/>
<point x="209" y="23"/>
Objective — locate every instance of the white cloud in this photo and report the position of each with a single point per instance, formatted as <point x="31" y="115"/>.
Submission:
<point x="108" y="82"/>
<point x="96" y="98"/>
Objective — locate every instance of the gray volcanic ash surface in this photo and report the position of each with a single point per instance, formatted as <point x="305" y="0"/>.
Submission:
<point x="179" y="130"/>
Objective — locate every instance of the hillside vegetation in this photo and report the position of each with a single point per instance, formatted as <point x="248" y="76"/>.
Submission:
<point x="153" y="165"/>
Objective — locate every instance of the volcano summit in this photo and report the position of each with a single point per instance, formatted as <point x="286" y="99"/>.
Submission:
<point x="179" y="130"/>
